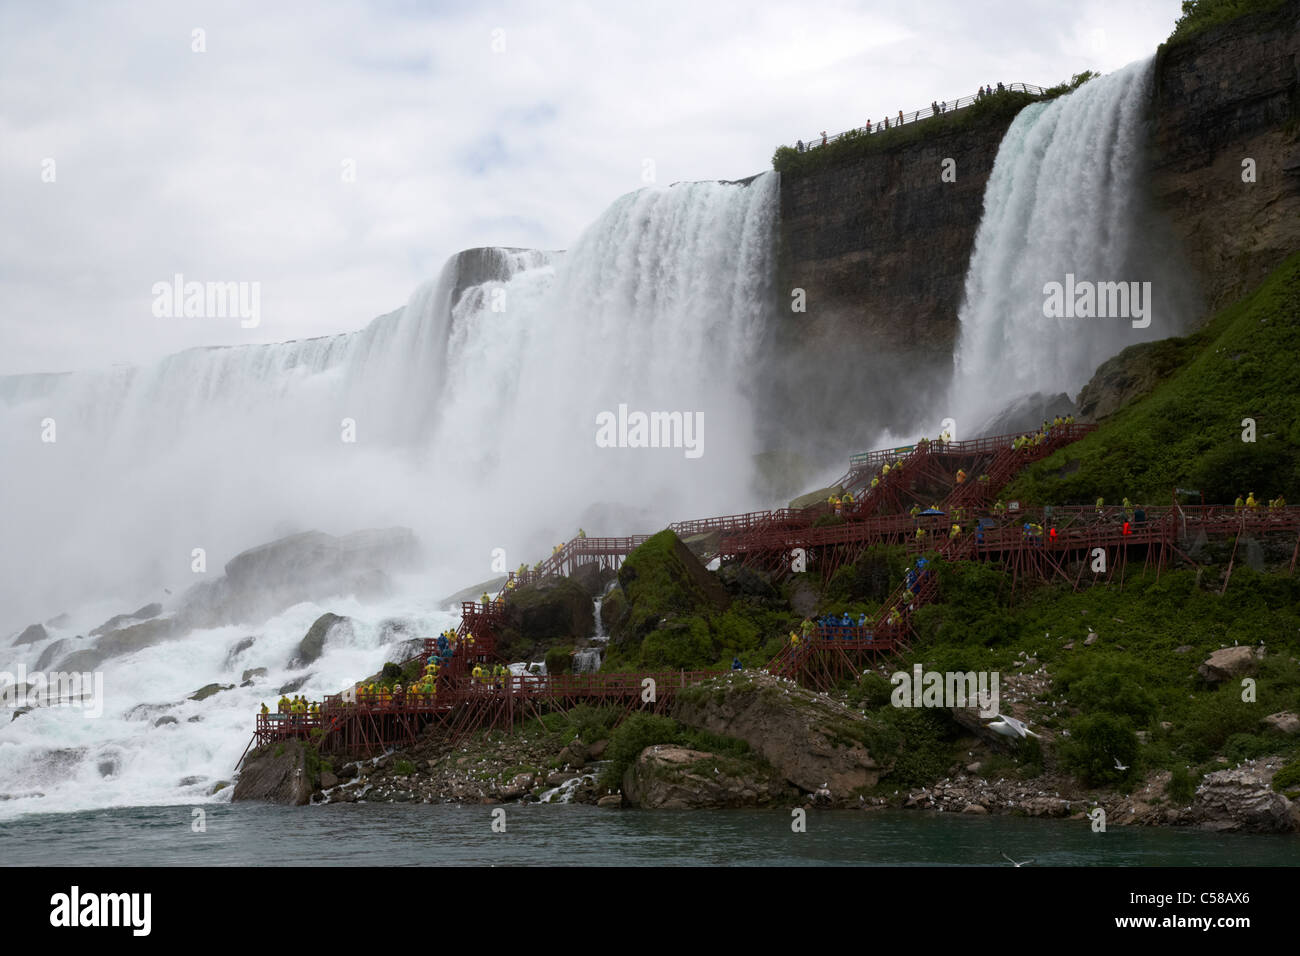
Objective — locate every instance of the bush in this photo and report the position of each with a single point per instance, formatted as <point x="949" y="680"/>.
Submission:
<point x="1181" y="787"/>
<point x="1287" y="780"/>
<point x="1096" y="742"/>
<point x="559" y="660"/>
<point x="403" y="768"/>
<point x="631" y="737"/>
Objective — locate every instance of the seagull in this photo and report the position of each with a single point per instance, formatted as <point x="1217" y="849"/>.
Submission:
<point x="1013" y="862"/>
<point x="1010" y="727"/>
<point x="1120" y="766"/>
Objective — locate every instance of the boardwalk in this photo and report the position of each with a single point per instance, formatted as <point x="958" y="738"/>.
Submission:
<point x="1060" y="542"/>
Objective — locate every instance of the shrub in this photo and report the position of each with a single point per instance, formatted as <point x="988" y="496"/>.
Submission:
<point x="1096" y="742"/>
<point x="631" y="737"/>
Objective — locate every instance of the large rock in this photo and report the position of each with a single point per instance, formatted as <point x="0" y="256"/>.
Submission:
<point x="1221" y="96"/>
<point x="116" y="621"/>
<point x="312" y="645"/>
<point x="818" y="497"/>
<point x="278" y="774"/>
<point x="53" y="653"/>
<point x="1229" y="662"/>
<point x="33" y="634"/>
<point x="311" y="566"/>
<point x="1283" y="722"/>
<point x="662" y="581"/>
<point x="552" y="612"/>
<point x="813" y="742"/>
<point x="1243" y="799"/>
<point x="675" y="778"/>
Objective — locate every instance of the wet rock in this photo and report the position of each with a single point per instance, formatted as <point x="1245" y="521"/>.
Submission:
<point x="252" y="672"/>
<point x="974" y="808"/>
<point x="208" y="690"/>
<point x="53" y="653"/>
<point x="295" y="684"/>
<point x="164" y="721"/>
<point x="328" y="780"/>
<point x="277" y="775"/>
<point x="243" y="645"/>
<point x="313" y="644"/>
<point x="33" y="634"/>
<point x="610" y="800"/>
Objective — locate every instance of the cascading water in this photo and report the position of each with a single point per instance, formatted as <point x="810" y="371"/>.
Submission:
<point x="1065" y="198"/>
<point x="475" y="413"/>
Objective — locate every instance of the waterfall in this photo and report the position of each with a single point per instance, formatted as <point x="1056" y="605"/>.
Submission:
<point x="475" y="410"/>
<point x="1065" y="198"/>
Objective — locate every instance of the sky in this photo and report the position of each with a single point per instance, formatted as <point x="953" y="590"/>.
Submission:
<point x="335" y="154"/>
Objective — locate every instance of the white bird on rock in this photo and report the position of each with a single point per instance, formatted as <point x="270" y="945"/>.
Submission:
<point x="1010" y="727"/>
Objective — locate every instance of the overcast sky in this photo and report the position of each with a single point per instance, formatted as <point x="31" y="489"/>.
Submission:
<point x="467" y="124"/>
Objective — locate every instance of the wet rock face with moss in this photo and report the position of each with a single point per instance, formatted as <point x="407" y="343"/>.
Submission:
<point x="662" y="585"/>
<point x="555" y="612"/>
<point x="281" y="773"/>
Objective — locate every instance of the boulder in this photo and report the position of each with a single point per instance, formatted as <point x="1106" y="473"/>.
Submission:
<point x="328" y="780"/>
<point x="555" y="611"/>
<point x="276" y="774"/>
<point x="208" y="690"/>
<point x="1242" y="799"/>
<point x="666" y="777"/>
<point x="1284" y="722"/>
<point x="53" y="653"/>
<point x="662" y="581"/>
<point x="242" y="645"/>
<point x="610" y="800"/>
<point x="812" y="741"/>
<point x="164" y="721"/>
<point x="312" y="645"/>
<point x="311" y="566"/>
<point x="33" y="634"/>
<point x="1228" y="662"/>
<point x="135" y="637"/>
<point x="81" y="661"/>
<point x="818" y="497"/>
<point x="296" y="684"/>
<point x="592" y="578"/>
<point x="597" y="750"/>
<point x="252" y="672"/>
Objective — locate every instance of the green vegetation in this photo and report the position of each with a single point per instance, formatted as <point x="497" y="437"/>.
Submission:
<point x="1134" y="675"/>
<point x="1188" y="431"/>
<point x="853" y="145"/>
<point x="1200" y="15"/>
<point x="645" y="730"/>
<point x="1287" y="779"/>
<point x="559" y="660"/>
<point x="403" y="767"/>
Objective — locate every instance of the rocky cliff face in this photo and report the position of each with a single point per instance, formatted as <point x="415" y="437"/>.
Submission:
<point x="1231" y="94"/>
<point x="880" y="247"/>
<point x="881" y="244"/>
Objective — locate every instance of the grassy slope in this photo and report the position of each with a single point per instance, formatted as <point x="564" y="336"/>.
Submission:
<point x="1188" y="431"/>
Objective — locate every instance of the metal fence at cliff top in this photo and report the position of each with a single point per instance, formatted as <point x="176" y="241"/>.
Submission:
<point x="920" y="115"/>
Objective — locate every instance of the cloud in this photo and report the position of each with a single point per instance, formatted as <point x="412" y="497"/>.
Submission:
<point x="466" y="124"/>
